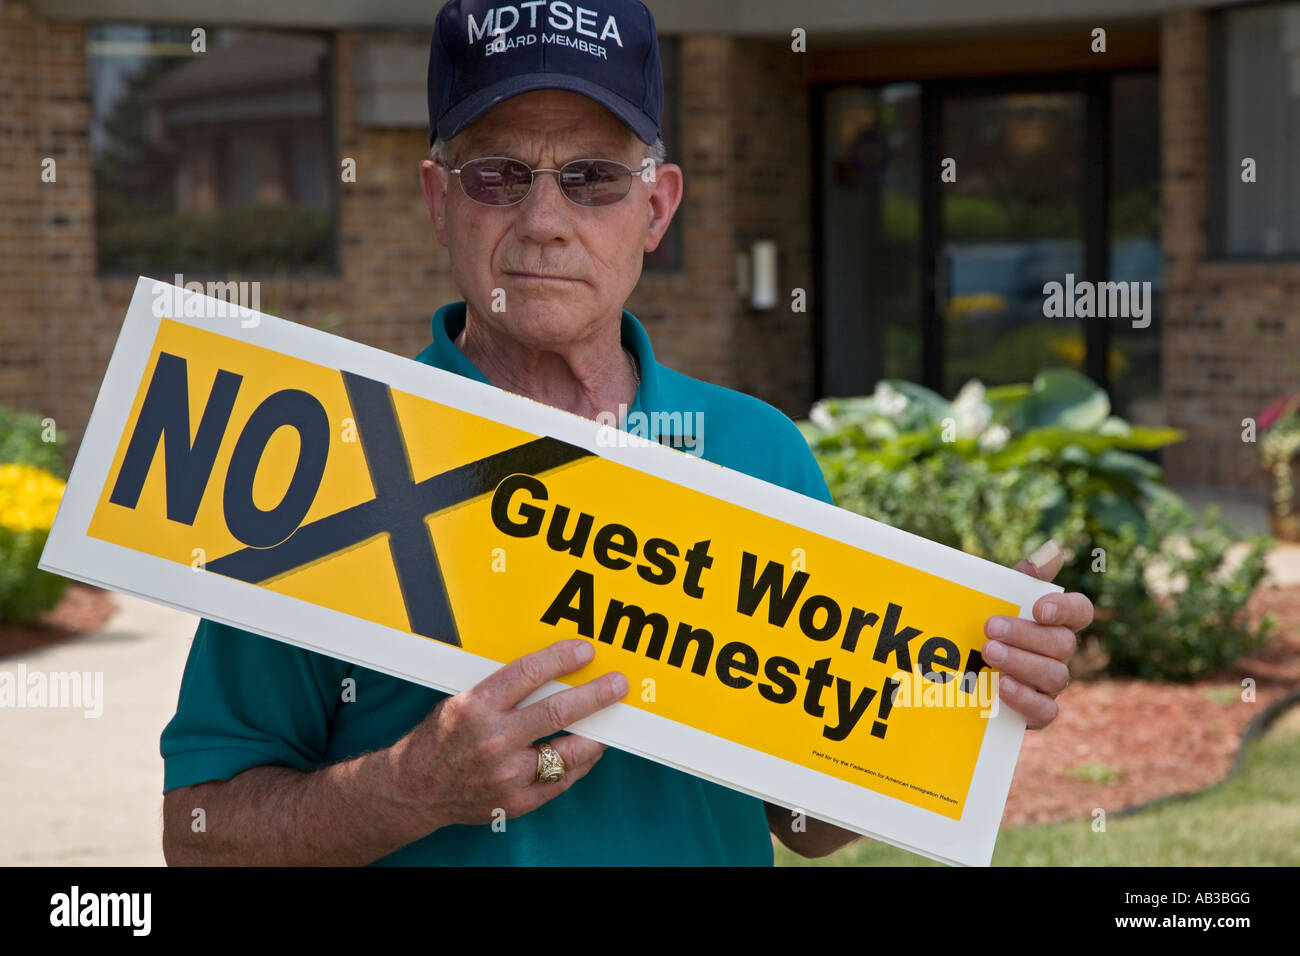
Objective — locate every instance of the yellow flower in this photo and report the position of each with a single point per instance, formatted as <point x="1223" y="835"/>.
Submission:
<point x="29" y="498"/>
<point x="1071" y="349"/>
<point x="975" y="303"/>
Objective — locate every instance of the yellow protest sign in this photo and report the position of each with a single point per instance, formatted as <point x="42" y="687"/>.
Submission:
<point x="480" y="524"/>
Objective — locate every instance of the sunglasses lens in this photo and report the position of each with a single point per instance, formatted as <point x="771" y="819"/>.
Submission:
<point x="595" y="182"/>
<point x="496" y="181"/>
<point x="501" y="181"/>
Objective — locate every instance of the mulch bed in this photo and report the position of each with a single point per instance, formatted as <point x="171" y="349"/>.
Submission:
<point x="1161" y="739"/>
<point x="83" y="610"/>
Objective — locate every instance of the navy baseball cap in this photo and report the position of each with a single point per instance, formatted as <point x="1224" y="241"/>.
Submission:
<point x="486" y="51"/>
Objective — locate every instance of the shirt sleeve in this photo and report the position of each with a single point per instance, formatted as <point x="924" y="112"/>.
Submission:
<point x="247" y="701"/>
<point x="801" y="471"/>
<point x="809" y="477"/>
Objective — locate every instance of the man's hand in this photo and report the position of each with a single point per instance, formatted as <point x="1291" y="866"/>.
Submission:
<point x="470" y="756"/>
<point x="474" y="753"/>
<point x="1032" y="656"/>
<point x="1032" y="660"/>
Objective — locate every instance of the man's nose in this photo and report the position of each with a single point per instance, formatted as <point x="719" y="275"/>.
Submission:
<point x="544" y="213"/>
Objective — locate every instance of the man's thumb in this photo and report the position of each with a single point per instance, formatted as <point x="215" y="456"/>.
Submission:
<point x="1045" y="562"/>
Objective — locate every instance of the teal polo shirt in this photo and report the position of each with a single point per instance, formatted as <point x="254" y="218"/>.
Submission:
<point x="246" y="701"/>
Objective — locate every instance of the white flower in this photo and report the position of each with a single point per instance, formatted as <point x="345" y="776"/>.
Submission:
<point x="995" y="438"/>
<point x="971" y="410"/>
<point x="820" y="415"/>
<point x="889" y="401"/>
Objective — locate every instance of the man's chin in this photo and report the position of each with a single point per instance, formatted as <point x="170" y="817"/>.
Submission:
<point x="550" y="319"/>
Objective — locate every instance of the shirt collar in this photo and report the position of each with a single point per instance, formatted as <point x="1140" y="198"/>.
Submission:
<point x="449" y="320"/>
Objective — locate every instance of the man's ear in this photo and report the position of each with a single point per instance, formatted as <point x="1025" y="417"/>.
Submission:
<point x="665" y="196"/>
<point x="434" y="181"/>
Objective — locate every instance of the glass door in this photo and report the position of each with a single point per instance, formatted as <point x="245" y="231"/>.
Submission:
<point x="870" y="247"/>
<point x="1010" y="189"/>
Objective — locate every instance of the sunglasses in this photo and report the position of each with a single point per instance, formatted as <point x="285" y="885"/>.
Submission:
<point x="502" y="181"/>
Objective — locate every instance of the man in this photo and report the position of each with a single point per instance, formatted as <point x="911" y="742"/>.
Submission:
<point x="542" y="120"/>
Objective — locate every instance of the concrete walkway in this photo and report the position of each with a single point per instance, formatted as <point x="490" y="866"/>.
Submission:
<point x="81" y="790"/>
<point x="1247" y="514"/>
<point x="1284" y="566"/>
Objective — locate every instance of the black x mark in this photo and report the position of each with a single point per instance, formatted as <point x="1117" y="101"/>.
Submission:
<point x="399" y="508"/>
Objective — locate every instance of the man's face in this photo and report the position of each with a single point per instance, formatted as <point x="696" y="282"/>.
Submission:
<point x="564" y="270"/>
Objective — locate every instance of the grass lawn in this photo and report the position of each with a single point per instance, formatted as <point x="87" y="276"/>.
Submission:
<point x="1253" y="818"/>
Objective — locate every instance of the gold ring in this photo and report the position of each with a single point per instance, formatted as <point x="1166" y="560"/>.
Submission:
<point x="550" y="765"/>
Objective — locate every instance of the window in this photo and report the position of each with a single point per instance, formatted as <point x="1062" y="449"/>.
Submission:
<point x="213" y="156"/>
<point x="1255" y="115"/>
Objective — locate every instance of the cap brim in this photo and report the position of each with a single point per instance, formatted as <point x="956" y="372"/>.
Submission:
<point x="470" y="109"/>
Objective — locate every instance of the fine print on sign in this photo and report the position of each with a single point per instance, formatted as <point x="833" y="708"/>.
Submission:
<point x="375" y="509"/>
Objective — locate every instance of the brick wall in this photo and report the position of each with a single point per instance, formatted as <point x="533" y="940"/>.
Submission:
<point x="22" y="215"/>
<point x="772" y="154"/>
<point x="746" y="153"/>
<point x="60" y="319"/>
<point x="690" y="315"/>
<point x="1231" y="329"/>
<point x="45" y="227"/>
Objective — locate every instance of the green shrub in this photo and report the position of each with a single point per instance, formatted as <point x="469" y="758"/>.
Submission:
<point x="23" y="441"/>
<point x="29" y="498"/>
<point x="26" y="592"/>
<point x="1199" y="628"/>
<point x="256" y="239"/>
<point x="950" y="499"/>
<point x="996" y="473"/>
